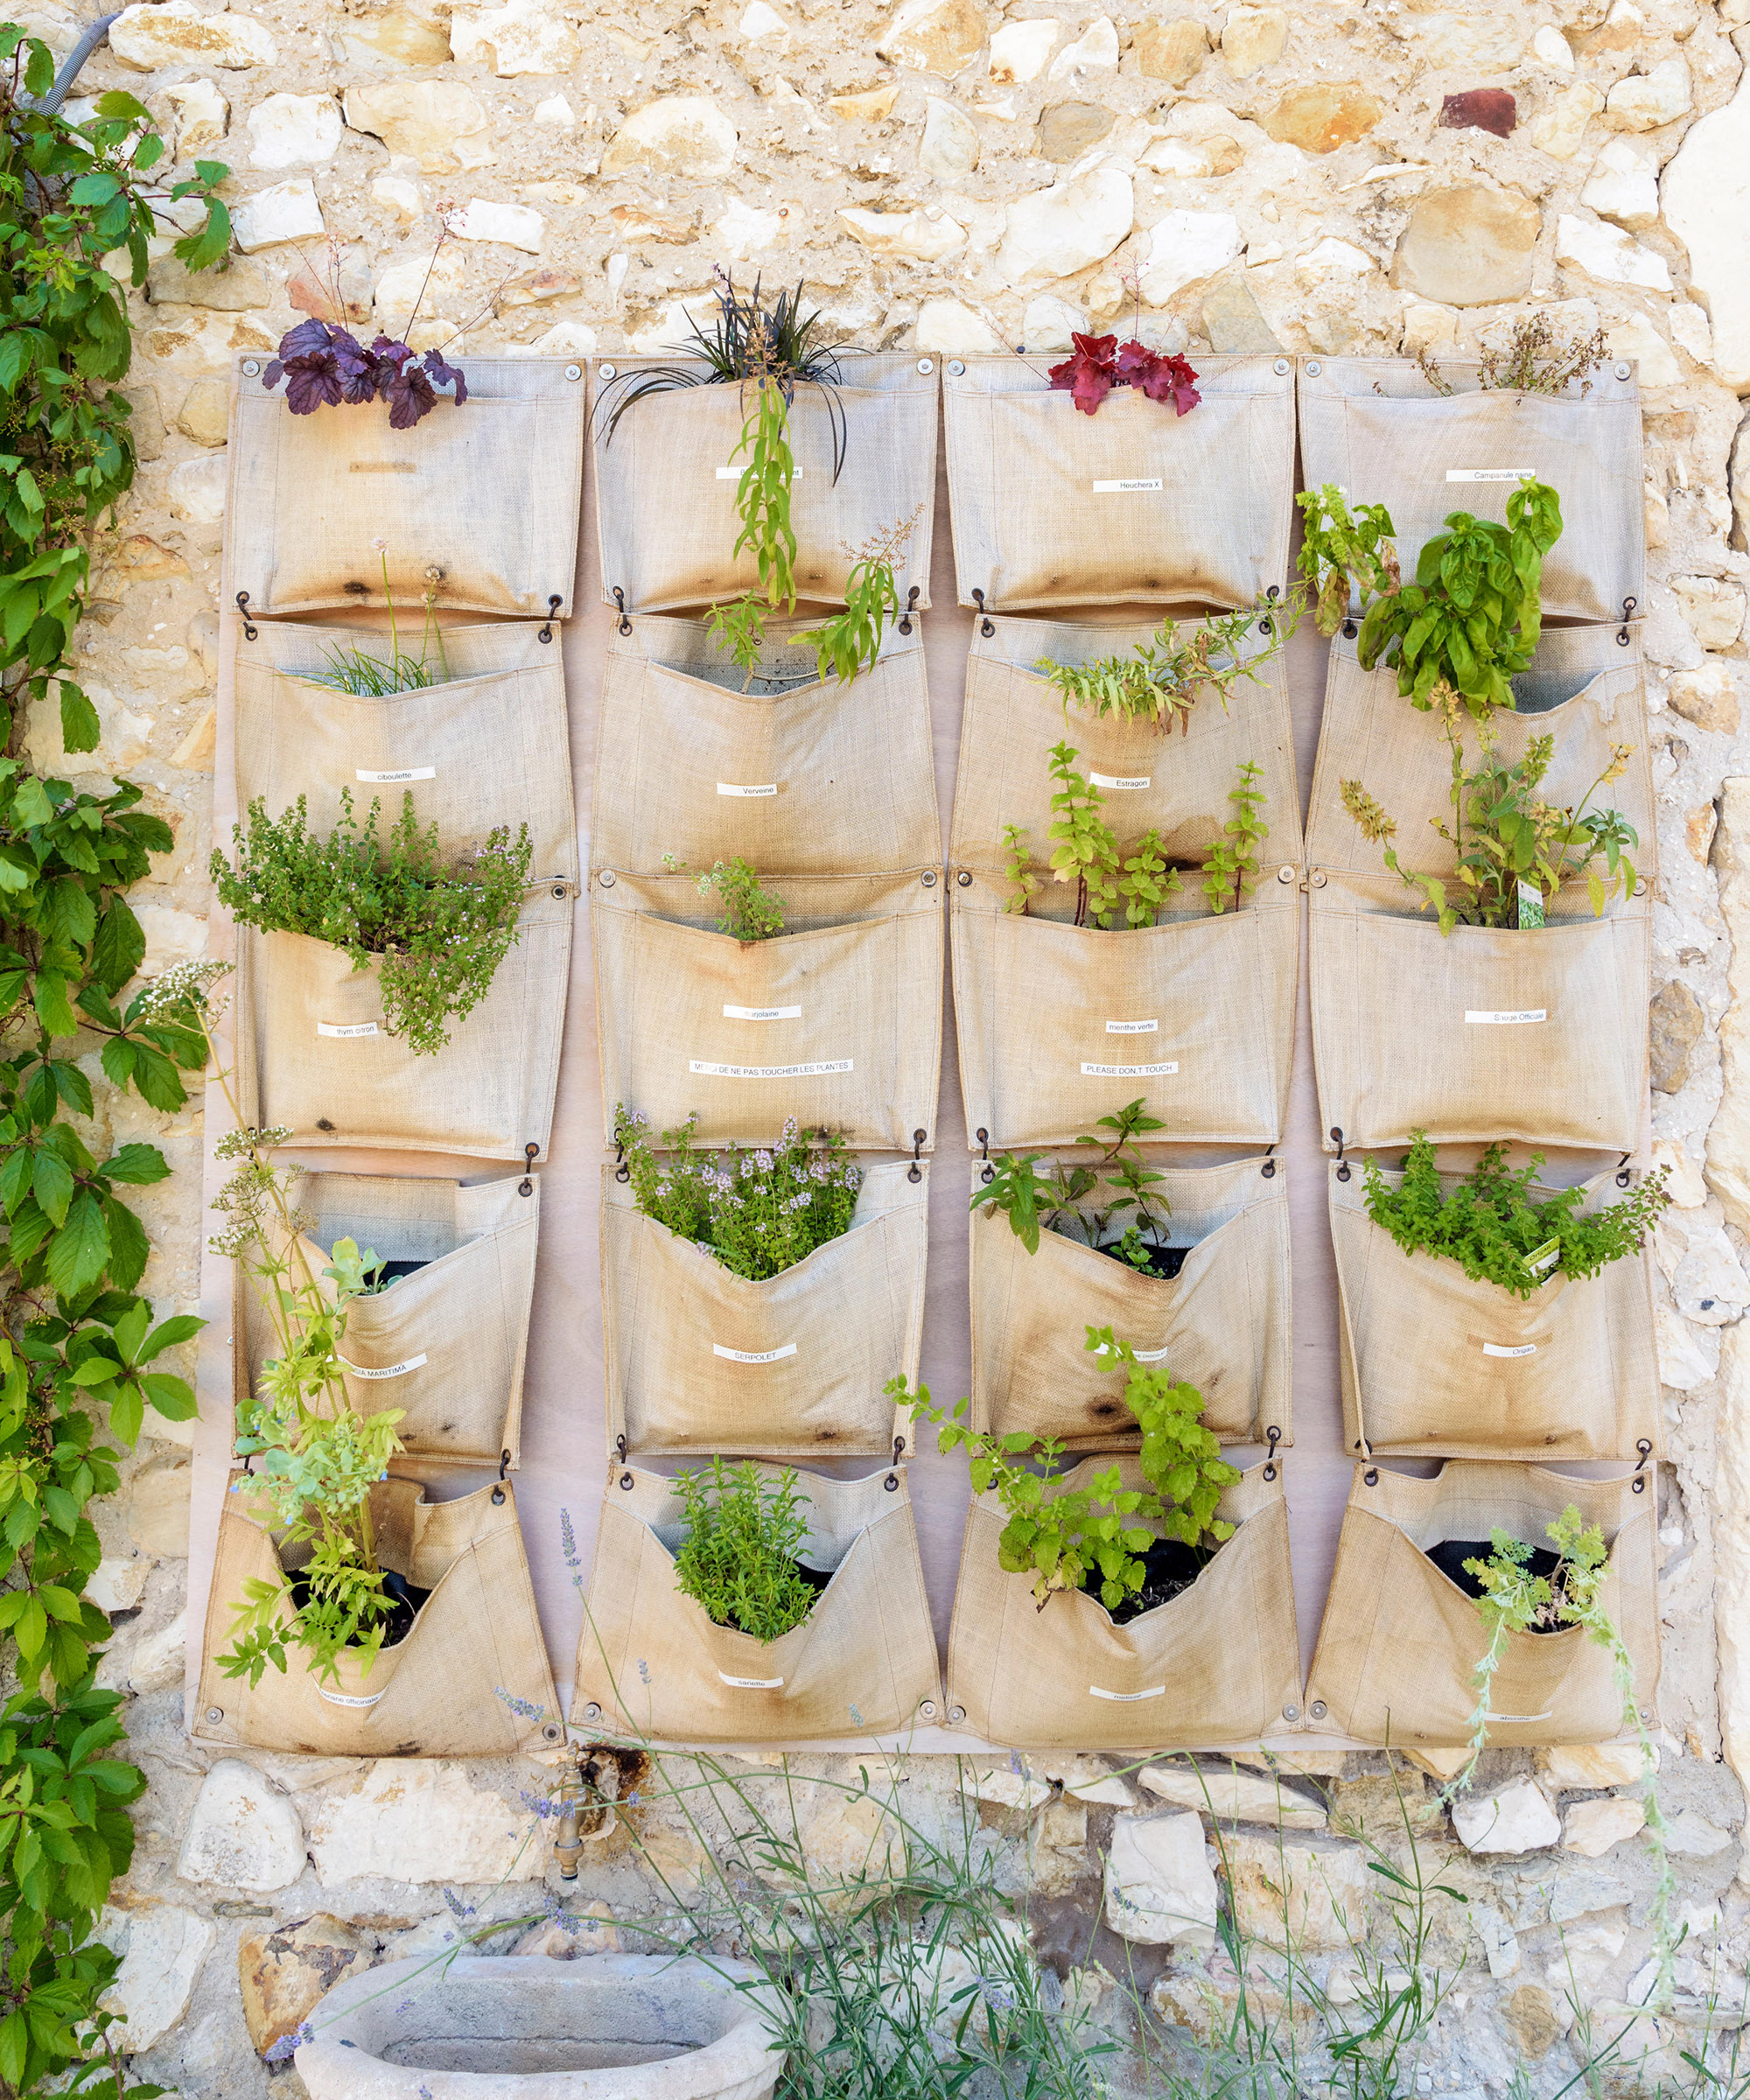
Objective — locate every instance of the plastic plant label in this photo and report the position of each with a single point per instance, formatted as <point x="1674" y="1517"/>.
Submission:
<point x="350" y="1698"/>
<point x="1124" y="488"/>
<point x="1505" y="1018"/>
<point x="754" y="1355"/>
<point x="1500" y="1348"/>
<point x="390" y="1370"/>
<point x="1530" y="907"/>
<point x="1122" y="782"/>
<point x="1545" y="1257"/>
<point x="1099" y="1692"/>
<point x="762" y="1013"/>
<point x="752" y="1684"/>
<point x="346" y="1034"/>
<point x="730" y="787"/>
<point x="1128" y="1071"/>
<point x="403" y="772"/>
<point x="1151" y="1356"/>
<point x="821" y="1070"/>
<point x="1489" y="474"/>
<point x="1133" y="1027"/>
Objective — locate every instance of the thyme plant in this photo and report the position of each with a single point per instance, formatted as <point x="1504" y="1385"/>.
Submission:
<point x="1162" y="679"/>
<point x="737" y="1561"/>
<point x="750" y="912"/>
<point x="1532" y="360"/>
<point x="758" y="1210"/>
<point x="439" y="930"/>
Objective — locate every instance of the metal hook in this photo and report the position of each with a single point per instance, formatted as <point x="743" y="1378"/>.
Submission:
<point x="619" y="1447"/>
<point x="526" y="1186"/>
<point x="1273" y="1435"/>
<point x="250" y="630"/>
<point x="1628" y="605"/>
<point x="1623" y="1177"/>
<point x="989" y="1172"/>
<point x="916" y="1173"/>
<point x="1268" y="1170"/>
<point x="619" y="600"/>
<point x="891" y="1483"/>
<point x="503" y="1467"/>
<point x="1644" y="1450"/>
<point x="898" y="1446"/>
<point x="1371" y="1477"/>
<point x="627" y="1482"/>
<point x="545" y="633"/>
<point x="985" y="626"/>
<point x="1343" y="1173"/>
<point x="1349" y="630"/>
<point x="910" y="607"/>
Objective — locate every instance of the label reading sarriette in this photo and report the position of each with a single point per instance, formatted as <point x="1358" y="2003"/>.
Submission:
<point x="1128" y="1071"/>
<point x="1125" y="488"/>
<point x="346" y="1034"/>
<point x="734" y="787"/>
<point x="754" y="1355"/>
<point x="401" y="773"/>
<point x="821" y="1069"/>
<point x="1506" y="1017"/>
<point x="1124" y="782"/>
<point x="1489" y="474"/>
<point x="1099" y="1692"/>
<point x="1133" y="1027"/>
<point x="1501" y="1349"/>
<point x="389" y="1370"/>
<point x="762" y="1013"/>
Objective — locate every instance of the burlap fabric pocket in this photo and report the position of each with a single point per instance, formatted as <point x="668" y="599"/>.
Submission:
<point x="701" y="1360"/>
<point x="1375" y="427"/>
<point x="1540" y="1036"/>
<point x="1436" y="1365"/>
<point x="1400" y="1642"/>
<point x="1218" y="1663"/>
<point x="1061" y="1024"/>
<point x="666" y="482"/>
<point x="835" y="1022"/>
<point x="1586" y="687"/>
<point x="1134" y="504"/>
<point x="485" y="494"/>
<point x="1223" y="1322"/>
<point x="1175" y="782"/>
<point x="471" y="1679"/>
<point x="445" y="1343"/>
<point x="313" y="1056"/>
<point x="487" y="747"/>
<point x="796" y="773"/>
<point x="651" y="1662"/>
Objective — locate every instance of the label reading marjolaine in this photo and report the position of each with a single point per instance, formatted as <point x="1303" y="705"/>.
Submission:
<point x="762" y="1013"/>
<point x="1122" y="488"/>
<point x="1128" y="1071"/>
<point x="1154" y="1692"/>
<point x="1500" y="1348"/>
<point x="1123" y="781"/>
<point x="1489" y="474"/>
<point x="1133" y="1027"/>
<point x="820" y="1070"/>
<point x="401" y="773"/>
<point x="347" y="1033"/>
<point x="1507" y="1017"/>
<point x="754" y="1355"/>
<point x="390" y="1370"/>
<point x="752" y="1684"/>
<point x="730" y="787"/>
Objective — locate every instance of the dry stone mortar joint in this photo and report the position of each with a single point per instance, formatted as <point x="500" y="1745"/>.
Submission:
<point x="958" y="179"/>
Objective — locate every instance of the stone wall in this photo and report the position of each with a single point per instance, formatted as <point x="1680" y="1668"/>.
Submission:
<point x="1369" y="176"/>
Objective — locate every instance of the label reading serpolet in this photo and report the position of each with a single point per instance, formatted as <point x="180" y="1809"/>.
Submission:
<point x="402" y="773"/>
<point x="1124" y="488"/>
<point x="1489" y="474"/>
<point x="1123" y="782"/>
<point x="732" y="787"/>
<point x="762" y="1013"/>
<point x="1507" y="1017"/>
<point x="1500" y="1348"/>
<point x="821" y="1070"/>
<point x="752" y="1684"/>
<point x="754" y="1355"/>
<point x="1133" y="1027"/>
<point x="390" y="1370"/>
<point x="347" y="1033"/>
<point x="1154" y="1692"/>
<point x="1128" y="1071"/>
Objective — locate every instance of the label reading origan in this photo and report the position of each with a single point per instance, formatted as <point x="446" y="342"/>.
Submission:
<point x="389" y="1370"/>
<point x="1500" y="1348"/>
<point x="1133" y="1027"/>
<point x="1099" y="1692"/>
<point x="754" y="1355"/>
<point x="732" y="787"/>
<point x="1489" y="474"/>
<point x="402" y="773"/>
<point x="1128" y="1071"/>
<point x="346" y="1034"/>
<point x="762" y="1013"/>
<point x="1123" y="782"/>
<point x="823" y="1069"/>
<point x="1507" y="1017"/>
<point x="1544" y="1256"/>
<point x="1124" y="488"/>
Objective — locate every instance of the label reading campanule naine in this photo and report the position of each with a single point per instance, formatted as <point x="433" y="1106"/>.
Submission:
<point x="754" y="1355"/>
<point x="346" y="1034"/>
<point x="762" y="1013"/>
<point x="732" y="788"/>
<point x="820" y="1070"/>
<point x="1125" y="488"/>
<point x="1500" y="1348"/>
<point x="1489" y="474"/>
<point x="1123" y="782"/>
<point x="389" y="1370"/>
<point x="1133" y="1027"/>
<point x="1128" y="1071"/>
<point x="401" y="773"/>
<point x="1507" y="1017"/>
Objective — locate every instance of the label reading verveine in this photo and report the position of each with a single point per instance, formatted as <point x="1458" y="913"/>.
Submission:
<point x="1500" y="1348"/>
<point x="1133" y="1027"/>
<point x="1122" y="488"/>
<point x="821" y="1070"/>
<point x="730" y="787"/>
<point x="752" y="1355"/>
<point x="1154" y="1692"/>
<point x="347" y="1033"/>
<point x="402" y="773"/>
<point x="752" y="1684"/>
<point x="391" y="1370"/>
<point x="1488" y="474"/>
<point x="1507" y="1018"/>
<point x="1121" y="780"/>
<point x="762" y="1013"/>
<point x="1128" y="1071"/>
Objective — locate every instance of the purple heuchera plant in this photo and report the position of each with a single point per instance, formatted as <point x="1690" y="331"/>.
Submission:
<point x="322" y="363"/>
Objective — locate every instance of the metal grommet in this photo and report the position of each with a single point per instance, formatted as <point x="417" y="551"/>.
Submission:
<point x="925" y="364"/>
<point x="964" y="878"/>
<point x="929" y="879"/>
<point x="606" y="879"/>
<point x="1371" y="1477"/>
<point x="1313" y="368"/>
<point x="574" y="371"/>
<point x="1280" y="366"/>
<point x="215" y="1714"/>
<point x="1284" y="873"/>
<point x="955" y="368"/>
<point x="1622" y="371"/>
<point x="559" y="890"/>
<point x="592" y="1712"/>
<point x="1622" y="638"/>
<point x="607" y="372"/>
<point x="498" y="1497"/>
<point x="626" y="1481"/>
<point x="251" y="368"/>
<point x="1638" y="1485"/>
<point x="1317" y="1709"/>
<point x="551" y="1732"/>
<point x="891" y="1483"/>
<point x="1349" y="630"/>
<point x="927" y="1707"/>
<point x="1291" y="1714"/>
<point x="1318" y="878"/>
<point x="956" y="1715"/>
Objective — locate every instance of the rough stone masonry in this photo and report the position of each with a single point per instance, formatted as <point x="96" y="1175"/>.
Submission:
<point x="1362" y="177"/>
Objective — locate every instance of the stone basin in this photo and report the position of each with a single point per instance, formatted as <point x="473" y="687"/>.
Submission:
<point x="609" y="2026"/>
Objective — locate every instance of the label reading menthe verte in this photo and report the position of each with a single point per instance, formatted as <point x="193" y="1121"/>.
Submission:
<point x="1128" y="1071"/>
<point x="1122" y="488"/>
<point x="1133" y="1027"/>
<point x="1507" y="1017"/>
<point x="731" y="787"/>
<point x="347" y="1033"/>
<point x="754" y="1355"/>
<point x="402" y="773"/>
<point x="1123" y="781"/>
<point x="815" y="1071"/>
<point x="390" y="1370"/>
<point x="762" y="1013"/>
<point x="1489" y="474"/>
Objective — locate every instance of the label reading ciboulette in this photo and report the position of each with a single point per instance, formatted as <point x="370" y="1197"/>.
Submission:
<point x="399" y="773"/>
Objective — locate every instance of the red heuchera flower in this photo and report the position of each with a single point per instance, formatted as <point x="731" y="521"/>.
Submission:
<point x="322" y="364"/>
<point x="1099" y="362"/>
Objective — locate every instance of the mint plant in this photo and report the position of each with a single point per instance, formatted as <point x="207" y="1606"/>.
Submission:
<point x="1054" y="1200"/>
<point x="738" y="1560"/>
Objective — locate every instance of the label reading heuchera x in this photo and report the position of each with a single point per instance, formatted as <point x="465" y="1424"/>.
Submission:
<point x="754" y="1355"/>
<point x="1133" y="1027"/>
<point x="752" y="1684"/>
<point x="390" y="1370"/>
<point x="1122" y="488"/>
<point x="1500" y="1348"/>
<point x="1507" y="1017"/>
<point x="1128" y="1071"/>
<point x="762" y="1013"/>
<point x="731" y="787"/>
<point x="1154" y="1692"/>
<point x="821" y="1070"/>
<point x="1123" y="781"/>
<point x="402" y="773"/>
<point x="1489" y="474"/>
<point x="347" y="1033"/>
